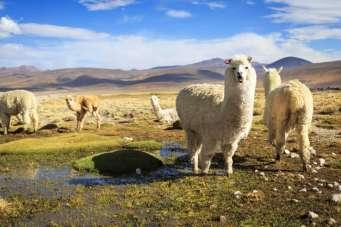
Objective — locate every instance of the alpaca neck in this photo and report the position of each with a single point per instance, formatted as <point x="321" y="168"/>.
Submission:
<point x="271" y="83"/>
<point x="157" y="109"/>
<point x="73" y="106"/>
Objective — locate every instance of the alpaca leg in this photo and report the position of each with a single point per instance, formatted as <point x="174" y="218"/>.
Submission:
<point x="228" y="151"/>
<point x="35" y="120"/>
<point x="206" y="156"/>
<point x="82" y="120"/>
<point x="304" y="145"/>
<point x="98" y="119"/>
<point x="194" y="146"/>
<point x="27" y="120"/>
<point x="280" y="142"/>
<point x="5" y="121"/>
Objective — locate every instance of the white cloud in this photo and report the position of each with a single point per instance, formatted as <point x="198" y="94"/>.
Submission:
<point x="317" y="32"/>
<point x="306" y="12"/>
<point x="95" y="5"/>
<point x="8" y="27"/>
<point x="141" y="52"/>
<point x="211" y="4"/>
<point x="131" y="19"/>
<point x="53" y="31"/>
<point x="2" y="5"/>
<point x="178" y="13"/>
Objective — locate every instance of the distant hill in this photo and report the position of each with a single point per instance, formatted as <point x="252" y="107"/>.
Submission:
<point x="23" y="69"/>
<point x="320" y="75"/>
<point x="289" y="62"/>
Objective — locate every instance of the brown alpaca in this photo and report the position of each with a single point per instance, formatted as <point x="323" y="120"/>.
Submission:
<point x="82" y="105"/>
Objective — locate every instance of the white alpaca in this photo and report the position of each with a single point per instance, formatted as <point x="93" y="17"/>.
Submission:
<point x="18" y="102"/>
<point x="167" y="116"/>
<point x="288" y="106"/>
<point x="214" y="115"/>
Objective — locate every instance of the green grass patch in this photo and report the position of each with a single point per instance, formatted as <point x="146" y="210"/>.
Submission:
<point x="118" y="162"/>
<point x="146" y="145"/>
<point x="62" y="143"/>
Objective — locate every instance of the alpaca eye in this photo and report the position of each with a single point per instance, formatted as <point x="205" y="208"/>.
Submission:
<point x="246" y="67"/>
<point x="234" y="68"/>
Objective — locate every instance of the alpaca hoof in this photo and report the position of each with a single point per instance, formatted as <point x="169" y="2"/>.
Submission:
<point x="196" y="171"/>
<point x="229" y="173"/>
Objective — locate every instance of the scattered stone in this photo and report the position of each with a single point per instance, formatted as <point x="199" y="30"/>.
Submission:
<point x="339" y="188"/>
<point x="295" y="200"/>
<point x="223" y="219"/>
<point x="303" y="190"/>
<point x="333" y="154"/>
<point x="316" y="179"/>
<point x="256" y="171"/>
<point x="330" y="185"/>
<point x="237" y="194"/>
<point x="275" y="189"/>
<point x="290" y="188"/>
<point x="331" y="221"/>
<point x="127" y="139"/>
<point x="336" y="184"/>
<point x="315" y="163"/>
<point x="322" y="162"/>
<point x="294" y="155"/>
<point x="287" y="152"/>
<point x="336" y="198"/>
<point x="320" y="184"/>
<point x="315" y="189"/>
<point x="312" y="215"/>
<point x="314" y="171"/>
<point x="138" y="171"/>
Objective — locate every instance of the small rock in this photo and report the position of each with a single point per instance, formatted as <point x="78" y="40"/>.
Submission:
<point x="138" y="171"/>
<point x="127" y="139"/>
<point x="303" y="190"/>
<point x="256" y="171"/>
<point x="287" y="152"/>
<point x="294" y="155"/>
<point x="322" y="162"/>
<point x="255" y="195"/>
<point x="316" y="179"/>
<point x="320" y="184"/>
<point x="262" y="174"/>
<point x="336" y="184"/>
<point x="336" y="198"/>
<point x="315" y="163"/>
<point x="290" y="188"/>
<point x="339" y="188"/>
<point x="223" y="219"/>
<point x="333" y="154"/>
<point x="330" y="185"/>
<point x="295" y="200"/>
<point x="331" y="221"/>
<point x="312" y="215"/>
<point x="315" y="189"/>
<point x="237" y="194"/>
<point x="314" y="171"/>
<point x="275" y="189"/>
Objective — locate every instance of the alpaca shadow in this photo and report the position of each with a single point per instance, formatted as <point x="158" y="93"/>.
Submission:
<point x="175" y="126"/>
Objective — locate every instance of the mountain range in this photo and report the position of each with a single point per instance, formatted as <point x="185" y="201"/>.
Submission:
<point x="315" y="75"/>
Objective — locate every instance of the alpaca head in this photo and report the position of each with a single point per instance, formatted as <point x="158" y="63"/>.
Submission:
<point x="154" y="99"/>
<point x="239" y="69"/>
<point x="272" y="79"/>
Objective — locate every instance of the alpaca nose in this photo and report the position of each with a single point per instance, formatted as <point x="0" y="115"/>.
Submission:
<point x="239" y="77"/>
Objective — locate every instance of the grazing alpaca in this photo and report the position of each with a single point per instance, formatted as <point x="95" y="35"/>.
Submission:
<point x="167" y="116"/>
<point x="15" y="103"/>
<point x="214" y="115"/>
<point x="288" y="106"/>
<point x="82" y="105"/>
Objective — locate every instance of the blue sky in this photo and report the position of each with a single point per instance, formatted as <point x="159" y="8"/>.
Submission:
<point x="146" y="33"/>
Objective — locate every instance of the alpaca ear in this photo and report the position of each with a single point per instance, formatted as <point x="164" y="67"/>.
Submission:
<point x="280" y="69"/>
<point x="249" y="58"/>
<point x="228" y="61"/>
<point x="265" y="69"/>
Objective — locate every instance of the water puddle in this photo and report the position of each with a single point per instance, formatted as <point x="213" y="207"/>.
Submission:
<point x="53" y="182"/>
